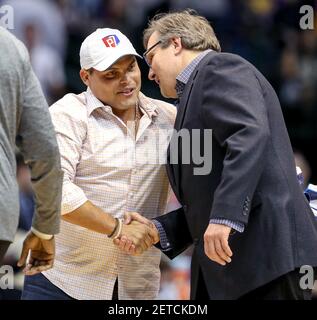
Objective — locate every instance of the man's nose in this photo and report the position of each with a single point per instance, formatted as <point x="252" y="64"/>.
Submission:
<point x="124" y="78"/>
<point x="151" y="74"/>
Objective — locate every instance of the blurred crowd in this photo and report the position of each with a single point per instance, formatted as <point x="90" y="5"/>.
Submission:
<point x="265" y="32"/>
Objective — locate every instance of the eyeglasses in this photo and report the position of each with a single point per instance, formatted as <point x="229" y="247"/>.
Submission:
<point x="148" y="50"/>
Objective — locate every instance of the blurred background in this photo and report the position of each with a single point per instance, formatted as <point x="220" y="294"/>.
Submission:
<point x="265" y="32"/>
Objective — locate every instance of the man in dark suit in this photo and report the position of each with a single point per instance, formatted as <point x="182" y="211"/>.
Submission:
<point x="248" y="218"/>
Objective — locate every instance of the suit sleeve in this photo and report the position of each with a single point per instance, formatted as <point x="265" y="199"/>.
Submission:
<point x="233" y="106"/>
<point x="37" y="142"/>
<point x="175" y="226"/>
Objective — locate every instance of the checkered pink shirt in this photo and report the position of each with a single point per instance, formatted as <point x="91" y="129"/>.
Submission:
<point x="104" y="163"/>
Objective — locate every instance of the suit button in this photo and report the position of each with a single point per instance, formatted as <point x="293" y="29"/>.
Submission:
<point x="185" y="208"/>
<point x="196" y="241"/>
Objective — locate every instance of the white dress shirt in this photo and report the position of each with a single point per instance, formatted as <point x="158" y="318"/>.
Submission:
<point x="104" y="163"/>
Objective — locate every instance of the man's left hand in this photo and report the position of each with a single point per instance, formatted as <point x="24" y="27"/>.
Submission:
<point x="42" y="253"/>
<point x="216" y="243"/>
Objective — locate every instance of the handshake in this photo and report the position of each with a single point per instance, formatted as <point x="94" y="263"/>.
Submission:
<point x="137" y="234"/>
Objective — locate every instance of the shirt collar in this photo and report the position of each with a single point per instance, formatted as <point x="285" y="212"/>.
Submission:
<point x="146" y="104"/>
<point x="183" y="77"/>
<point x="93" y="103"/>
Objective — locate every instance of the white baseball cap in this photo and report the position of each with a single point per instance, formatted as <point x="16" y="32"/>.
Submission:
<point x="103" y="48"/>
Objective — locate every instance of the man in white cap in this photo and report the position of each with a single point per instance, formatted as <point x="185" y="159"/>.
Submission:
<point x="106" y="137"/>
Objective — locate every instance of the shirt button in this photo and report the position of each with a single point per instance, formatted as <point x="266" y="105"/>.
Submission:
<point x="131" y="195"/>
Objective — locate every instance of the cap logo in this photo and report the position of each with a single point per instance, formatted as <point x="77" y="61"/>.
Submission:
<point x="111" y="41"/>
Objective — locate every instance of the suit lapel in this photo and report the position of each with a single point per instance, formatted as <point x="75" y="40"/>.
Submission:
<point x="173" y="170"/>
<point x="183" y="102"/>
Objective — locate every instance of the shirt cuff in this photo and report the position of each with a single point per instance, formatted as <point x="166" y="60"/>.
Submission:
<point x="42" y="235"/>
<point x="238" y="226"/>
<point x="165" y="244"/>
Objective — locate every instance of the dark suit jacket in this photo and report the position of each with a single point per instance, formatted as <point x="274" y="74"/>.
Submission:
<point x="253" y="181"/>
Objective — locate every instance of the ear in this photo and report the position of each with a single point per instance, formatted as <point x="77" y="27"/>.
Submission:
<point x="84" y="75"/>
<point x="177" y="44"/>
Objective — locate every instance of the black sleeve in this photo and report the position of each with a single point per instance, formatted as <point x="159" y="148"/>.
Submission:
<point x="176" y="228"/>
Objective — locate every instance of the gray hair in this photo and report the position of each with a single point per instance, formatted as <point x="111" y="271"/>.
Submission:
<point x="195" y="31"/>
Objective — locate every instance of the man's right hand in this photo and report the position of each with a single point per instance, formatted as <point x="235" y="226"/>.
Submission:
<point x="41" y="256"/>
<point x="138" y="234"/>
